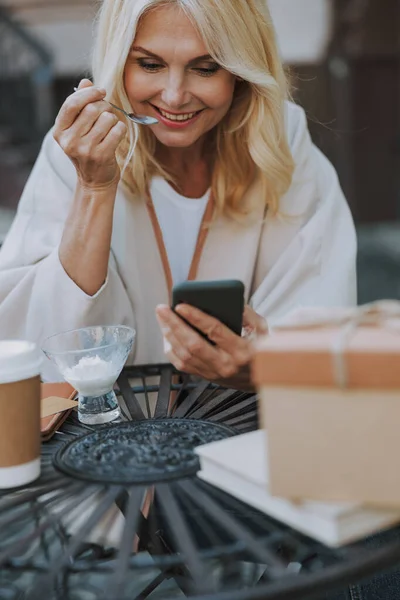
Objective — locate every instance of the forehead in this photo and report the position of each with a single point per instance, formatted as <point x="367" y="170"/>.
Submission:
<point x="167" y="30"/>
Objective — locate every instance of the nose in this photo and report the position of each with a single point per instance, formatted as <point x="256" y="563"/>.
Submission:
<point x="175" y="95"/>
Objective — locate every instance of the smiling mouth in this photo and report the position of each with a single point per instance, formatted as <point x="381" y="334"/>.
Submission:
<point x="177" y="117"/>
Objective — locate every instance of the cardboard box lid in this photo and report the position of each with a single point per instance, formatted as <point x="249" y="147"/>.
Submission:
<point x="370" y="356"/>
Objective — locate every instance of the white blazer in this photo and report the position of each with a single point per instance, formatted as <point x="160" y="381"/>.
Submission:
<point x="304" y="258"/>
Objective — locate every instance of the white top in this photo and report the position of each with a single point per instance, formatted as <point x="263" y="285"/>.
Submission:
<point x="179" y="219"/>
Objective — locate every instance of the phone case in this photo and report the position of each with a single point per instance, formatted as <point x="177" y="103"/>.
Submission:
<point x="222" y="299"/>
<point x="49" y="425"/>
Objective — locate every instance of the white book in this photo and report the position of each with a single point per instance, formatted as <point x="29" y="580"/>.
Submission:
<point x="238" y="465"/>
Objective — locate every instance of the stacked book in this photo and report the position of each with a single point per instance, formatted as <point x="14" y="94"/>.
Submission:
<point x="238" y="465"/>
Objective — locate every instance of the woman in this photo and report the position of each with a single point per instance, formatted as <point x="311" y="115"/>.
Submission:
<point x="112" y="215"/>
<point x="227" y="185"/>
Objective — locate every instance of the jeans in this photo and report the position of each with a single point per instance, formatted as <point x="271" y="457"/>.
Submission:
<point x="384" y="586"/>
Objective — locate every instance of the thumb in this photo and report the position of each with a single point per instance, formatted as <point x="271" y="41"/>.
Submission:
<point x="85" y="83"/>
<point x="254" y="322"/>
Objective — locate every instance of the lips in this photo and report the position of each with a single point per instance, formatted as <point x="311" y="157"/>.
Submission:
<point x="177" y="117"/>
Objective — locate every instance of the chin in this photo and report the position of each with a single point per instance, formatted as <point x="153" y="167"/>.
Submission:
<point x="174" y="140"/>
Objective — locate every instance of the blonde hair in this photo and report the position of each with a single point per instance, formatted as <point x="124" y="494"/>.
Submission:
<point x="250" y="142"/>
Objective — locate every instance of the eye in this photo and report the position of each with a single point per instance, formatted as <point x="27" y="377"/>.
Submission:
<point x="207" y="71"/>
<point x="150" y="66"/>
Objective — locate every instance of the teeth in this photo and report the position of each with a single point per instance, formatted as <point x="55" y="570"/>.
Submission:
<point x="186" y="117"/>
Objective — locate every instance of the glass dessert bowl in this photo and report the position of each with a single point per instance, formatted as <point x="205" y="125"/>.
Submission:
<point x="91" y="359"/>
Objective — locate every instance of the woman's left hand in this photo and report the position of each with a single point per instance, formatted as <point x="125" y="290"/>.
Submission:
<point x="191" y="353"/>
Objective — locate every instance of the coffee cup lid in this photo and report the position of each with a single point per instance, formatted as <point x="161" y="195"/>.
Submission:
<point x="19" y="360"/>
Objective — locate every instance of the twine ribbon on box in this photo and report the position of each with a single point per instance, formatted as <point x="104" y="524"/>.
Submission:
<point x="384" y="313"/>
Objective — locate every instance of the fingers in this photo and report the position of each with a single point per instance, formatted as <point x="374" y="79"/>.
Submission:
<point x="254" y="322"/>
<point x="183" y="360"/>
<point x="102" y="140"/>
<point x="222" y="336"/>
<point x="84" y="83"/>
<point x="75" y="104"/>
<point x="194" y="353"/>
<point x="99" y="145"/>
<point x="101" y="127"/>
<point x="96" y="131"/>
<point x="184" y="335"/>
<point x="191" y="350"/>
<point x="114" y="137"/>
<point x="89" y="116"/>
<point x="89" y="133"/>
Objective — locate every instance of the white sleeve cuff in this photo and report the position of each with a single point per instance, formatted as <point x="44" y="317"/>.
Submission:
<point x="73" y="291"/>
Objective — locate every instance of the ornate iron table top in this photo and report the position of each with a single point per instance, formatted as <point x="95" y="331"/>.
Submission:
<point x="141" y="452"/>
<point x="178" y="536"/>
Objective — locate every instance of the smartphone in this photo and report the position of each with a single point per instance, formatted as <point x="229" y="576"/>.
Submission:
<point x="222" y="299"/>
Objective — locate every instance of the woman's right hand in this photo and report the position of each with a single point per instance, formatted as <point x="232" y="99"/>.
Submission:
<point x="89" y="133"/>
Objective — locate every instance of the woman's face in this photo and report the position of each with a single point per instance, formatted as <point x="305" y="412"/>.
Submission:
<point x="169" y="75"/>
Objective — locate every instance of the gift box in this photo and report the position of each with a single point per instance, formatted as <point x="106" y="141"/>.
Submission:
<point x="329" y="392"/>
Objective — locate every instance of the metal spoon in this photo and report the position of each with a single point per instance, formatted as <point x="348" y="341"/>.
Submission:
<point x="140" y="119"/>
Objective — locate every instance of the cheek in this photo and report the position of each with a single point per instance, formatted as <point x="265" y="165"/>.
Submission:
<point x="219" y="97"/>
<point x="136" y="85"/>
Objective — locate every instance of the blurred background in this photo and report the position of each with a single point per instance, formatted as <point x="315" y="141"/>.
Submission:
<point x="344" y="59"/>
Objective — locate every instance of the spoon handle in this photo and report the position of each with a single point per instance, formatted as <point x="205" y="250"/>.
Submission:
<point x="118" y="108"/>
<point x="142" y="120"/>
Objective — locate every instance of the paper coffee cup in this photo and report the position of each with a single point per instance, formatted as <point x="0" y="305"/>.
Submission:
<point x="20" y="364"/>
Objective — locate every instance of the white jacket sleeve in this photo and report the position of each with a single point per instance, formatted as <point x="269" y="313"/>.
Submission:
<point x="308" y="253"/>
<point x="37" y="297"/>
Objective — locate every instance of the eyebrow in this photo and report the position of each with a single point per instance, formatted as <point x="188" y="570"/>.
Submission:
<point x="152" y="55"/>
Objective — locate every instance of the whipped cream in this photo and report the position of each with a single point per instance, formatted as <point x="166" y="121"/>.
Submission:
<point x="92" y="376"/>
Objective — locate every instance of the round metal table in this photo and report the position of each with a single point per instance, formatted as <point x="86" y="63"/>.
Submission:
<point x="180" y="537"/>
